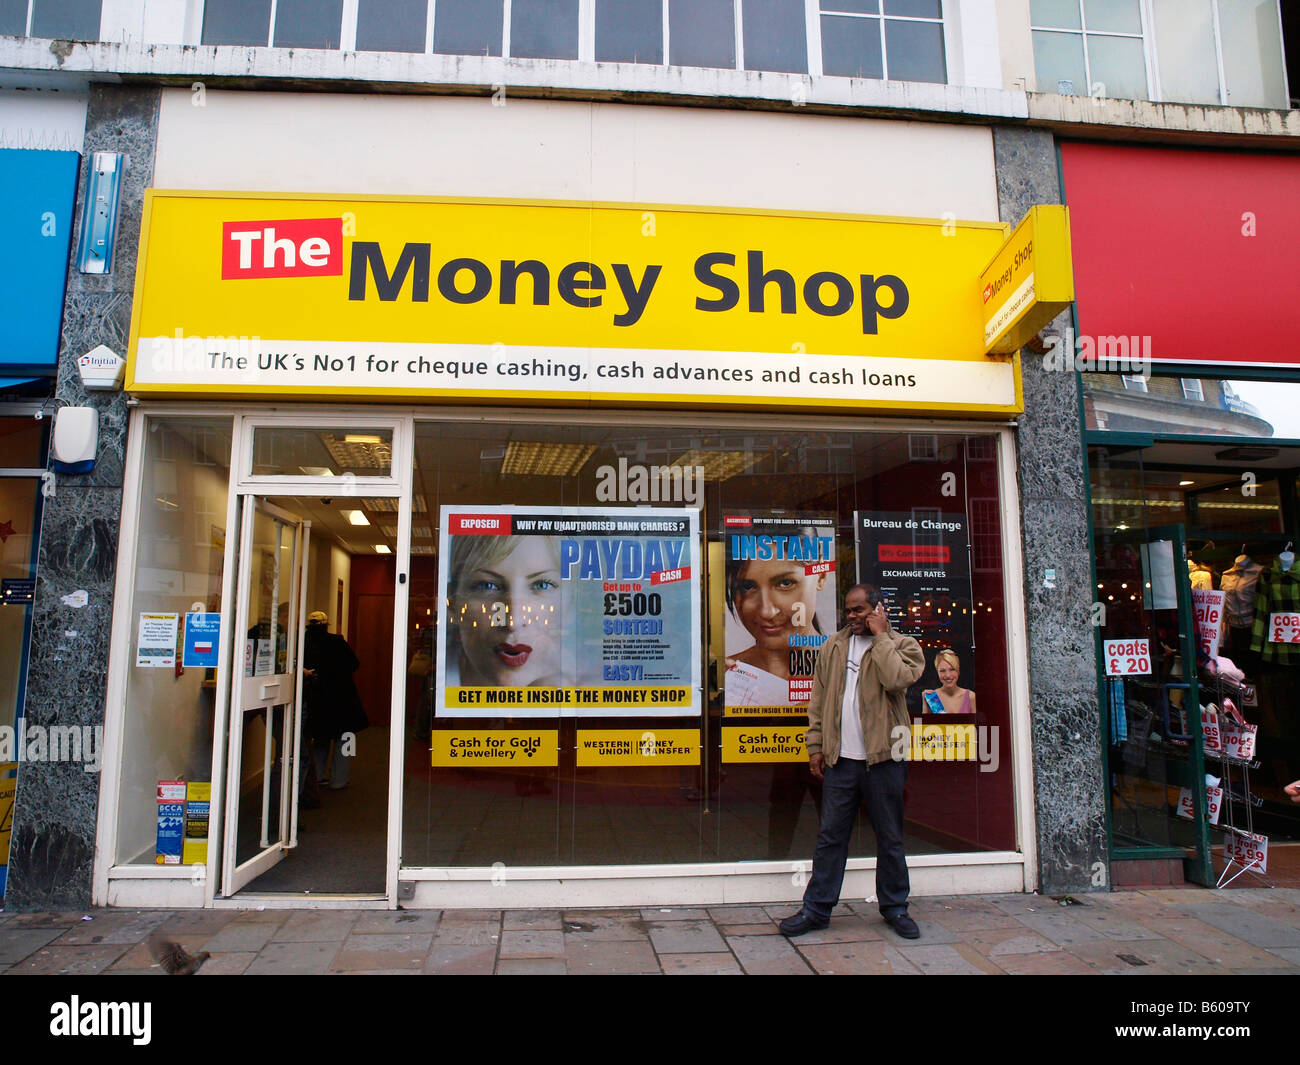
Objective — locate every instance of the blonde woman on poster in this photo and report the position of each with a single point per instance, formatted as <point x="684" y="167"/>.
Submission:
<point x="505" y="612"/>
<point x="950" y="699"/>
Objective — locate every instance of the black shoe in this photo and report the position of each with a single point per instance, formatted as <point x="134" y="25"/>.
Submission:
<point x="903" y="925"/>
<point x="800" y="923"/>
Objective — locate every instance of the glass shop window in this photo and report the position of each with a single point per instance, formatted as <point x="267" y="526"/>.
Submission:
<point x="702" y="33"/>
<point x="629" y="31"/>
<point x="391" y="25"/>
<point x="468" y="27"/>
<point x="175" y="608"/>
<point x="903" y="41"/>
<point x="308" y="23"/>
<point x="544" y="29"/>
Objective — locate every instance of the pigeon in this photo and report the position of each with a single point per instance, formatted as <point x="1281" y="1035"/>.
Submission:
<point x="174" y="959"/>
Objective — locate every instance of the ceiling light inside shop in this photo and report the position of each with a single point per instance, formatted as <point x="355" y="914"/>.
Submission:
<point x="422" y="549"/>
<point x="355" y="517"/>
<point x="389" y="506"/>
<point x="1184" y="484"/>
<point x="383" y="549"/>
<point x="359" y="451"/>
<point x="317" y="471"/>
<point x="419" y="531"/>
<point x="718" y="465"/>
<point x="530" y="458"/>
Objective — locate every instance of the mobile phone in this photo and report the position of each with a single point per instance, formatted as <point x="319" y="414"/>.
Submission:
<point x="933" y="703"/>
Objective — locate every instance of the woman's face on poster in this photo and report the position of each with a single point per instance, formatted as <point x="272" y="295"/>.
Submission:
<point x="775" y="600"/>
<point x="510" y="624"/>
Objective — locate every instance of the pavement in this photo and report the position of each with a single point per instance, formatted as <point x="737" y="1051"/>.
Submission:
<point x="1157" y="931"/>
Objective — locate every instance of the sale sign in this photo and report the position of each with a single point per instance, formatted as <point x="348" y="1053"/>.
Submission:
<point x="1284" y="628"/>
<point x="1213" y="803"/>
<point x="1239" y="740"/>
<point x="1210" y="729"/>
<point x="1207" y="604"/>
<point x="1127" y="658"/>
<point x="1248" y="851"/>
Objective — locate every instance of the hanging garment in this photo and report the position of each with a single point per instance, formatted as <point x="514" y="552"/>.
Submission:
<point x="1118" y="715"/>
<point x="1278" y="592"/>
<point x="1240" y="583"/>
<point x="1201" y="576"/>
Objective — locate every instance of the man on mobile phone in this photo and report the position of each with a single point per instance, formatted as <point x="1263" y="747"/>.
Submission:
<point x="857" y="705"/>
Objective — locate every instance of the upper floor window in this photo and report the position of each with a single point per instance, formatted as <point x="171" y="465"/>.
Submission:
<point x="901" y="40"/>
<point x="64" y="20"/>
<point x="1185" y="51"/>
<point x="1192" y="388"/>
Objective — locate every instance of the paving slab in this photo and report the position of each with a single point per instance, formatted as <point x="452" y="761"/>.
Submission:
<point x="856" y="959"/>
<point x="1257" y="929"/>
<point x="729" y="915"/>
<point x="461" y="959"/>
<point x="1289" y="954"/>
<point x="940" y="959"/>
<point x="722" y="963"/>
<point x="532" y="943"/>
<point x="383" y="951"/>
<point x="674" y="913"/>
<point x="241" y="936"/>
<point x="769" y="955"/>
<point x="998" y="941"/>
<point x="596" y="928"/>
<point x="140" y="956"/>
<point x="468" y="934"/>
<point x="685" y="937"/>
<point x="847" y="928"/>
<point x="229" y="964"/>
<point x="532" y="967"/>
<point x="406" y="922"/>
<point x="609" y="957"/>
<point x="1048" y="963"/>
<point x="531" y="920"/>
<point x="18" y="943"/>
<point x="80" y="959"/>
<point x="313" y="926"/>
<point x="183" y="922"/>
<point x="1145" y="957"/>
<point x="109" y="926"/>
<point x="1062" y="929"/>
<point x="295" y="957"/>
<point x="768" y="929"/>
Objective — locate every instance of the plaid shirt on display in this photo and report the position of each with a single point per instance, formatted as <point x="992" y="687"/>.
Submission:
<point x="1278" y="592"/>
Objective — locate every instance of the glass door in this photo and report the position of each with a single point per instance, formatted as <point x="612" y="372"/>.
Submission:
<point x="263" y="762"/>
<point x="1146" y="643"/>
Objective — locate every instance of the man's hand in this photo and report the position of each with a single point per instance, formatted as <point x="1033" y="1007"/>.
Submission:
<point x="1292" y="789"/>
<point x="877" y="622"/>
<point x="817" y="766"/>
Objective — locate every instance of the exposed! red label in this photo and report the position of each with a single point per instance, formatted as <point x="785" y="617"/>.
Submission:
<point x="480" y="524"/>
<point x="286" y="247"/>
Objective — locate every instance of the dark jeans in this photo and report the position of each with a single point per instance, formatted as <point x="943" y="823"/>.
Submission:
<point x="848" y="783"/>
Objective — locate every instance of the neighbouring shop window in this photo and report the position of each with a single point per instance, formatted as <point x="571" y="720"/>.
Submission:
<point x="391" y="25"/>
<point x="630" y="31"/>
<point x="775" y="35"/>
<point x="172" y="656"/>
<point x="544" y="527"/>
<point x="1234" y="510"/>
<point x="702" y="33"/>
<point x="1089" y="47"/>
<point x="1196" y="406"/>
<point x="902" y="42"/>
<point x="308" y="23"/>
<point x="468" y="27"/>
<point x="245" y="22"/>
<point x="544" y="29"/>
<point x="68" y="20"/>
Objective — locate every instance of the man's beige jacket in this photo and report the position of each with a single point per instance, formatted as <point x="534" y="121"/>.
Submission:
<point x="891" y="665"/>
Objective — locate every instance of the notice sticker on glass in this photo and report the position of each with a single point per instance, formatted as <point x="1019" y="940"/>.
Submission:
<point x="156" y="642"/>
<point x="1284" y="628"/>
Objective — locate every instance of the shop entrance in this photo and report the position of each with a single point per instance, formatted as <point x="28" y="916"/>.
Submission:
<point x="307" y="775"/>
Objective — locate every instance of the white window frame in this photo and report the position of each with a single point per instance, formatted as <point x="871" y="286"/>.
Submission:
<point x="1146" y="36"/>
<point x="1192" y="388"/>
<point x="815" y="12"/>
<point x="1134" y="384"/>
<point x="1155" y="91"/>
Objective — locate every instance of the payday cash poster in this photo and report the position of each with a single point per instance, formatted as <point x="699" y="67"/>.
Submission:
<point x="568" y="612"/>
<point x="780" y="596"/>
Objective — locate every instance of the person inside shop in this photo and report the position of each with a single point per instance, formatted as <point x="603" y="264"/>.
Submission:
<point x="507" y="625"/>
<point x="858" y="705"/>
<point x="333" y="713"/>
<point x="950" y="698"/>
<point x="773" y="600"/>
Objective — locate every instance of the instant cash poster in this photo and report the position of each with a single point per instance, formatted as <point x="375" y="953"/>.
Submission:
<point x="780" y="595"/>
<point x="568" y="611"/>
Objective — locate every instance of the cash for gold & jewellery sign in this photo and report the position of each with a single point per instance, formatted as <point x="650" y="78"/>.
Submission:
<point x="245" y="294"/>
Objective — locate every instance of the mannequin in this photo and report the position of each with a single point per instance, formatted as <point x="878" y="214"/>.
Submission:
<point x="1240" y="582"/>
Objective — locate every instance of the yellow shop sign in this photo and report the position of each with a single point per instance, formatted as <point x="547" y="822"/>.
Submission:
<point x="580" y="302"/>
<point x="1030" y="280"/>
<point x="510" y="748"/>
<point x="767" y="743"/>
<point x="645" y="747"/>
